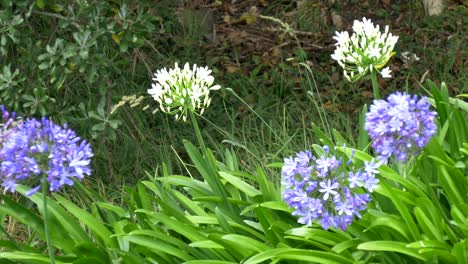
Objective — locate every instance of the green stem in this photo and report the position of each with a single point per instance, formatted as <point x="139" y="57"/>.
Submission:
<point x="197" y="132"/>
<point x="375" y="84"/>
<point x="50" y="248"/>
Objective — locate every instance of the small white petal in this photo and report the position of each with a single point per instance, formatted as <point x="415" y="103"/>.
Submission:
<point x="386" y="72"/>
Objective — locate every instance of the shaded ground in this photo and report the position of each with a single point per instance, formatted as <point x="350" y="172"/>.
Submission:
<point x="252" y="37"/>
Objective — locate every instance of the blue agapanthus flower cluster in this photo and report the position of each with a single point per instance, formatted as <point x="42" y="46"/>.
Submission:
<point x="327" y="189"/>
<point x="400" y="126"/>
<point x="31" y="148"/>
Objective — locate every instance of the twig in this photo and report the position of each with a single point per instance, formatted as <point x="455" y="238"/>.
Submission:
<point x="280" y="45"/>
<point x="56" y="16"/>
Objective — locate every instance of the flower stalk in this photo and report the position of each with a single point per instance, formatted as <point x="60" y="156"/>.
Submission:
<point x="198" y="132"/>
<point x="375" y="85"/>
<point x="50" y="248"/>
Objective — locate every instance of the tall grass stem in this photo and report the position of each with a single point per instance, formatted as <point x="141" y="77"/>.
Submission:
<point x="253" y="111"/>
<point x="316" y="98"/>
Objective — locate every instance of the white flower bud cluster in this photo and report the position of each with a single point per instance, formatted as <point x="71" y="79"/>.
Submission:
<point x="181" y="90"/>
<point x="367" y="49"/>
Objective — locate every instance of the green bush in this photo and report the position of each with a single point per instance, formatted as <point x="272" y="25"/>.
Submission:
<point x="64" y="59"/>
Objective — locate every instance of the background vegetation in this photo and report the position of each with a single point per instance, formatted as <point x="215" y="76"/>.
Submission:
<point x="75" y="61"/>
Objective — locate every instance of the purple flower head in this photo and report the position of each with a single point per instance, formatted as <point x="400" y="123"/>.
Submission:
<point x="33" y="148"/>
<point x="400" y="126"/>
<point x="328" y="190"/>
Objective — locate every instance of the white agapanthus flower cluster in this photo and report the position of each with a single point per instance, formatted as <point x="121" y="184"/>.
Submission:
<point x="181" y="90"/>
<point x="366" y="50"/>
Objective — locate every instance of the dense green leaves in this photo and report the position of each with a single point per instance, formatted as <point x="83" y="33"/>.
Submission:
<point x="222" y="214"/>
<point x="392" y="247"/>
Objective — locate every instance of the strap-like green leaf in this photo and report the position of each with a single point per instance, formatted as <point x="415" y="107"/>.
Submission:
<point x="391" y="246"/>
<point x="206" y="244"/>
<point x="89" y="220"/>
<point x="279" y="206"/>
<point x="22" y="214"/>
<point x="184" y="181"/>
<point x="322" y="236"/>
<point x="450" y="187"/>
<point x="312" y="256"/>
<point x="240" y="184"/>
<point x="159" y="246"/>
<point x="429" y="228"/>
<point x="37" y="258"/>
<point x="394" y="223"/>
<point x="247" y="242"/>
<point x="324" y="139"/>
<point x="429" y="244"/>
<point x="346" y="245"/>
<point x="210" y="262"/>
<point x="401" y="207"/>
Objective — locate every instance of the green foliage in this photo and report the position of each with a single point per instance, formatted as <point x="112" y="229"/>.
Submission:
<point x="58" y="57"/>
<point x="79" y="235"/>
<point x="222" y="214"/>
<point x="72" y="60"/>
